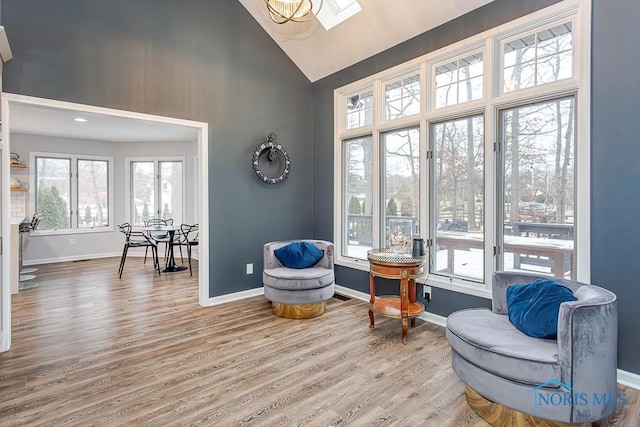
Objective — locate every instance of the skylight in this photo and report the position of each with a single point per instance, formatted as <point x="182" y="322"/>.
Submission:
<point x="336" y="11"/>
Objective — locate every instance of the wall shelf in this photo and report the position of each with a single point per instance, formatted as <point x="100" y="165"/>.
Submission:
<point x="19" y="189"/>
<point x="18" y="165"/>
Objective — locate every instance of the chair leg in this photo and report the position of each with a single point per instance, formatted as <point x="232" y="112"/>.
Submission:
<point x="122" y="260"/>
<point x="145" y="254"/>
<point x="154" y="250"/>
<point x="189" y="256"/>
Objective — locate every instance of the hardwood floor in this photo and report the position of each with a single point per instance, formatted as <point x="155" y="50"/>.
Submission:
<point x="89" y="349"/>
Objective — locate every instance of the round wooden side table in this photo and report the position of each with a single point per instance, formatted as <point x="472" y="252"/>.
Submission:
<point x="395" y="265"/>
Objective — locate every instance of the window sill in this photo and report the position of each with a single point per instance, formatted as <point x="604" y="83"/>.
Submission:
<point x="74" y="231"/>
<point x="434" y="281"/>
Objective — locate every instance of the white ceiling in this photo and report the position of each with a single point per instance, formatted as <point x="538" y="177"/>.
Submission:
<point x="43" y="120"/>
<point x="381" y="25"/>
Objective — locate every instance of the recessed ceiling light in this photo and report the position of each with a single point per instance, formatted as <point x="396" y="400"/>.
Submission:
<point x="80" y="119"/>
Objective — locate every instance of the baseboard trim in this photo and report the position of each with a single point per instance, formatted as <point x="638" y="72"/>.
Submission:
<point x="629" y="379"/>
<point x="76" y="258"/>
<point x="234" y="297"/>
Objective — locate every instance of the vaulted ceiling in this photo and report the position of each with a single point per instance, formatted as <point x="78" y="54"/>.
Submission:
<point x="380" y="25"/>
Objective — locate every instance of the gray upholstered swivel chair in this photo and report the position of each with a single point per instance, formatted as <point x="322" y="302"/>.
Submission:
<point x="298" y="293"/>
<point x="571" y="379"/>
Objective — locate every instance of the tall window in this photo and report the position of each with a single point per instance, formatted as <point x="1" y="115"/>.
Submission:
<point x="401" y="186"/>
<point x="458" y="197"/>
<point x="538" y="187"/>
<point x="156" y="190"/>
<point x="358" y="225"/>
<point x="72" y="192"/>
<point x="478" y="152"/>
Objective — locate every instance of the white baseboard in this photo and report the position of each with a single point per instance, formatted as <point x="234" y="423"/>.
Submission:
<point x="76" y="258"/>
<point x="629" y="379"/>
<point x="235" y="296"/>
<point x="85" y="257"/>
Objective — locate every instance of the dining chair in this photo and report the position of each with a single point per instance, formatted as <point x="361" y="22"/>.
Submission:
<point x="190" y="235"/>
<point x="162" y="236"/>
<point x="137" y="239"/>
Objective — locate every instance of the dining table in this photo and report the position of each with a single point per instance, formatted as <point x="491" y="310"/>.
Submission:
<point x="171" y="265"/>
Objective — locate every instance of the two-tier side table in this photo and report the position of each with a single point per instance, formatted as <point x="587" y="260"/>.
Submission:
<point x="390" y="264"/>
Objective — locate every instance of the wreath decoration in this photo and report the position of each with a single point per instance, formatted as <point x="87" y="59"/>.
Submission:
<point x="271" y="161"/>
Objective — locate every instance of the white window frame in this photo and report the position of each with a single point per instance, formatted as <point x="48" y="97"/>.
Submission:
<point x="128" y="183"/>
<point x="578" y="12"/>
<point x="73" y="180"/>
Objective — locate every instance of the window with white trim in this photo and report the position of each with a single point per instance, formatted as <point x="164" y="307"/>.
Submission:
<point x="156" y="190"/>
<point x="476" y="152"/>
<point x="72" y="192"/>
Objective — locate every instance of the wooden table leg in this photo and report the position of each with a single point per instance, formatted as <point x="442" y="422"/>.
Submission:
<point x="404" y="304"/>
<point x="372" y="299"/>
<point x="412" y="297"/>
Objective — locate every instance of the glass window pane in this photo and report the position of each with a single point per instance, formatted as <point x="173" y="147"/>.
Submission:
<point x="459" y="81"/>
<point x="538" y="187"/>
<point x="446" y="95"/>
<point x="402" y="98"/>
<point x="360" y="110"/>
<point x="401" y="186"/>
<point x="53" y="186"/>
<point x="170" y="191"/>
<point x="142" y="192"/>
<point x="539" y="58"/>
<point x="459" y="197"/>
<point x="357" y="230"/>
<point x="93" y="193"/>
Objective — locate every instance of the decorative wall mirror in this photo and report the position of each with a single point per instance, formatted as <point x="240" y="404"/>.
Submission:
<point x="271" y="161"/>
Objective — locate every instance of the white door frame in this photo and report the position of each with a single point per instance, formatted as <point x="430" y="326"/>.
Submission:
<point x="202" y="129"/>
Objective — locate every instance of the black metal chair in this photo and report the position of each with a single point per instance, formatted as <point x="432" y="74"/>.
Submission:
<point x="137" y="239"/>
<point x="190" y="235"/>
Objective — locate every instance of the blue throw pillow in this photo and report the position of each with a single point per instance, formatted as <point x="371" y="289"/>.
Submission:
<point x="299" y="255"/>
<point x="533" y="307"/>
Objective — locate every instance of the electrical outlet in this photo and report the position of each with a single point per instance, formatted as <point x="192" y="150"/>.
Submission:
<point x="72" y="242"/>
<point x="426" y="293"/>
<point x="250" y="268"/>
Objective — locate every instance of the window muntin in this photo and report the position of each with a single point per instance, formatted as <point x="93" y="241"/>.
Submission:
<point x="401" y="186"/>
<point x="156" y="190"/>
<point x="359" y="109"/>
<point x="459" y="81"/>
<point x="93" y="193"/>
<point x="402" y="97"/>
<point x="538" y="187"/>
<point x="535" y="59"/>
<point x="458" y="197"/>
<point x="357" y="229"/>
<point x="53" y="192"/>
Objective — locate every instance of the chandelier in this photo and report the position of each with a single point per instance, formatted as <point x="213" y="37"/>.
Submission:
<point x="282" y="11"/>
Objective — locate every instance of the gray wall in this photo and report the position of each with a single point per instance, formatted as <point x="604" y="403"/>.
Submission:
<point x="200" y="60"/>
<point x="89" y="245"/>
<point x="615" y="170"/>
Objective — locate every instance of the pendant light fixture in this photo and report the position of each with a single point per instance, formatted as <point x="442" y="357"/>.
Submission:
<point x="282" y="11"/>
